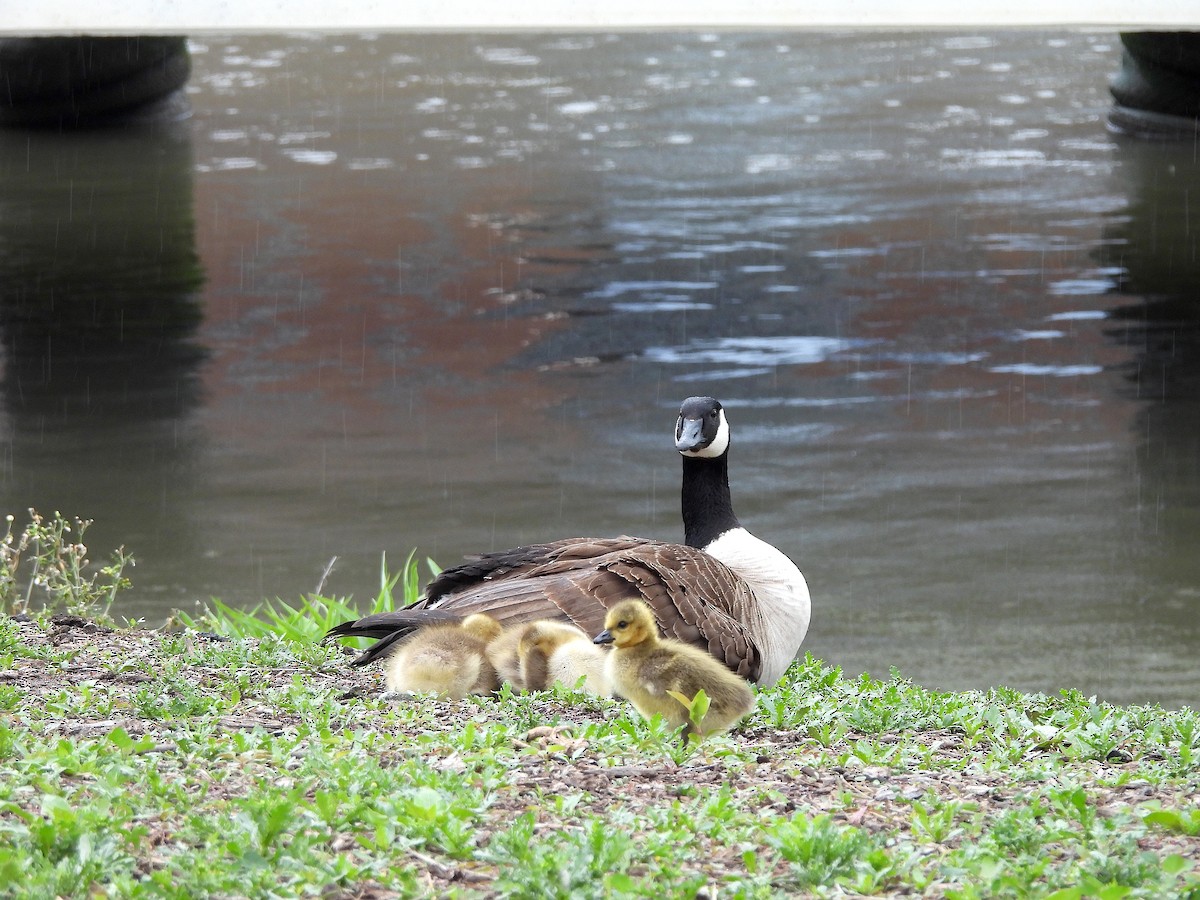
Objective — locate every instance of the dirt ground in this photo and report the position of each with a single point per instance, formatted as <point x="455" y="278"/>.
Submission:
<point x="786" y="773"/>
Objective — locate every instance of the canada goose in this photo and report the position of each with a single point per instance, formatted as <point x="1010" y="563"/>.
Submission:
<point x="445" y="659"/>
<point x="551" y="651"/>
<point x="723" y="590"/>
<point x="648" y="671"/>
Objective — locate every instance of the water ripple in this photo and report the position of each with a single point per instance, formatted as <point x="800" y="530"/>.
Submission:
<point x="620" y="288"/>
<point x="754" y="351"/>
<point x="1052" y="371"/>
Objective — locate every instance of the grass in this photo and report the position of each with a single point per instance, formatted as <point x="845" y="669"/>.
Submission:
<point x="137" y="763"/>
<point x="228" y="760"/>
<point x="313" y="615"/>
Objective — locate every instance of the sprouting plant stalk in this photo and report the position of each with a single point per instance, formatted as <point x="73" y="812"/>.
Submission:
<point x="58" y="567"/>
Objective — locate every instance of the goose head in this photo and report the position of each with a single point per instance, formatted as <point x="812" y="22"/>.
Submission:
<point x="702" y="439"/>
<point x="627" y="624"/>
<point x="701" y="430"/>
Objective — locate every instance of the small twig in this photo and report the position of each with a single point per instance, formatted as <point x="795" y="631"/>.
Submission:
<point x="32" y="575"/>
<point x="445" y="872"/>
<point x="644" y="771"/>
<point x="160" y="747"/>
<point x="325" y="574"/>
<point x="439" y="869"/>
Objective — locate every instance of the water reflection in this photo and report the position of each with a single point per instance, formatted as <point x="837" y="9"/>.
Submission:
<point x="99" y="305"/>
<point x="458" y="284"/>
<point x="1156" y="245"/>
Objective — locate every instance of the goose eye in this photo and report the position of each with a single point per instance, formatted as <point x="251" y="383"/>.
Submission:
<point x="622" y="624"/>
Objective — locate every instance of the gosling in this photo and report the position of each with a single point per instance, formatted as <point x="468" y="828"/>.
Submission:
<point x="645" y="669"/>
<point x="528" y="656"/>
<point x="449" y="660"/>
<point x="503" y="655"/>
<point x="551" y="651"/>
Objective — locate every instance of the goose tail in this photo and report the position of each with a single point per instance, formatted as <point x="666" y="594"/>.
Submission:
<point x="387" y="628"/>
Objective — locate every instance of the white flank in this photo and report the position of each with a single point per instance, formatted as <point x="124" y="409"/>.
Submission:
<point x="779" y="618"/>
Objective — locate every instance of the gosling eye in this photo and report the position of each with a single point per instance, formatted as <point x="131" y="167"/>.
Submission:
<point x="622" y="624"/>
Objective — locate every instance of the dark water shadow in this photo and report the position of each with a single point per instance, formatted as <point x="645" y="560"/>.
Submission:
<point x="1156" y="244"/>
<point x="99" y="302"/>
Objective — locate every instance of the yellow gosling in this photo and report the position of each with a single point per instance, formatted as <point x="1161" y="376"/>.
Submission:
<point x="504" y="658"/>
<point x="646" y="669"/>
<point x="551" y="651"/>
<point x="448" y="660"/>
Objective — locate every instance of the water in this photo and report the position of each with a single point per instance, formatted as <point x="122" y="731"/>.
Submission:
<point x="446" y="292"/>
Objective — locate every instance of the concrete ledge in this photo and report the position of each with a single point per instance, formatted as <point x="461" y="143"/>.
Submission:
<point x="194" y="16"/>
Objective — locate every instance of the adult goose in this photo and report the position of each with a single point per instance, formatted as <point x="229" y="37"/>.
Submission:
<point x="723" y="590"/>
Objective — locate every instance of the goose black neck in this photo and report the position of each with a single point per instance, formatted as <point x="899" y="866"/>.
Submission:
<point x="707" y="508"/>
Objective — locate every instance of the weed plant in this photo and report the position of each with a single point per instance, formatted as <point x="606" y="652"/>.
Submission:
<point x="46" y="566"/>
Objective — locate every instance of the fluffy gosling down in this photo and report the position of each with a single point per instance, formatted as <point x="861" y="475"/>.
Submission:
<point x="645" y="669"/>
<point x="532" y="656"/>
<point x="449" y="660"/>
<point x="551" y="651"/>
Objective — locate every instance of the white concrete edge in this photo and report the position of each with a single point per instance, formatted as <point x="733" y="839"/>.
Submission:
<point x="193" y="16"/>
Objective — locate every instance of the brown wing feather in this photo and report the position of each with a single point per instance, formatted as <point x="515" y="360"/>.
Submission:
<point x="692" y="594"/>
<point x="517" y="562"/>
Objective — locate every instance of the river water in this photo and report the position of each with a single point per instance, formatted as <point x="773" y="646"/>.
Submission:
<point x="381" y="292"/>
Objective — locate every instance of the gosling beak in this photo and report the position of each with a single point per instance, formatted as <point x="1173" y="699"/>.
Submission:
<point x="604" y="637"/>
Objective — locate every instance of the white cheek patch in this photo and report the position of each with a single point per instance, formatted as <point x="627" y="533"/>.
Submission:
<point x="719" y="444"/>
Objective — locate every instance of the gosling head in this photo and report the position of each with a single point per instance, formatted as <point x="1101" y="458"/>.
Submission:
<point x="628" y="623"/>
<point x="482" y="626"/>
<point x="547" y="634"/>
<point x="536" y="638"/>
